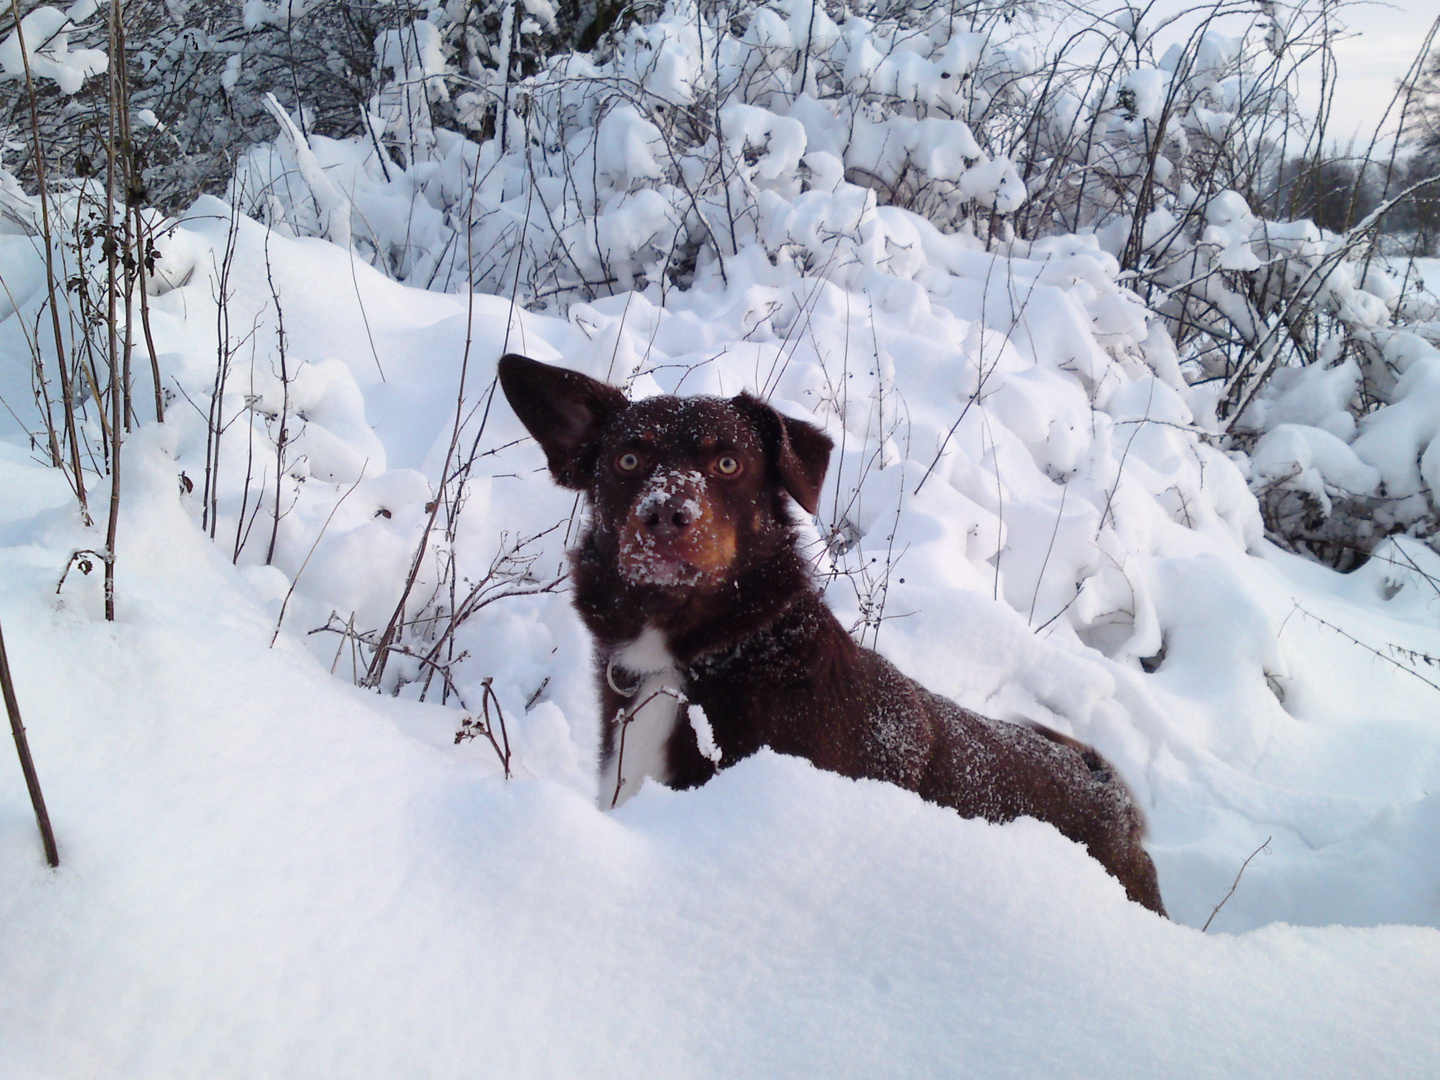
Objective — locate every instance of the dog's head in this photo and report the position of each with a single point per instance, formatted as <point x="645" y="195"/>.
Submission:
<point x="685" y="492"/>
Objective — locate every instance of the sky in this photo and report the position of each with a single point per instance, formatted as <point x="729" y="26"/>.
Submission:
<point x="1384" y="41"/>
<point x="1381" y="41"/>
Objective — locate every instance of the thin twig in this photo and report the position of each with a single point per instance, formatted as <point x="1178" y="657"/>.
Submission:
<point x="1234" y="884"/>
<point x="296" y="579"/>
<point x="27" y="764"/>
<point x="1368" y="648"/>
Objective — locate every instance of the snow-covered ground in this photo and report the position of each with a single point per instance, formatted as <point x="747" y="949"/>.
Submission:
<point x="1428" y="271"/>
<point x="269" y="872"/>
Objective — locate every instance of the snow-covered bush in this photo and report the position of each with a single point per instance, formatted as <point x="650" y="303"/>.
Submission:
<point x="198" y="76"/>
<point x="702" y="140"/>
<point x="703" y="149"/>
<point x="458" y="146"/>
<point x="695" y="138"/>
<point x="1267" y="314"/>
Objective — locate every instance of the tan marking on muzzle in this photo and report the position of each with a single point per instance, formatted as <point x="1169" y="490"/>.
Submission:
<point x="676" y="534"/>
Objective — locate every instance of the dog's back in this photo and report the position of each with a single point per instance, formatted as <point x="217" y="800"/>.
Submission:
<point x="712" y="640"/>
<point x="802" y="686"/>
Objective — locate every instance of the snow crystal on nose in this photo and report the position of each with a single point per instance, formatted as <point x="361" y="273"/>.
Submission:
<point x="667" y="483"/>
<point x="646" y="559"/>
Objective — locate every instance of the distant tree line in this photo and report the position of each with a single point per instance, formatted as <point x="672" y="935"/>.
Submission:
<point x="1339" y="192"/>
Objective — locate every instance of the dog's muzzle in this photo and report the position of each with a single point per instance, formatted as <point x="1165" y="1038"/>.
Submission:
<point x="673" y="535"/>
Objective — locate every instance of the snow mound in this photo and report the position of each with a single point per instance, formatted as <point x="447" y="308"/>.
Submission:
<point x="269" y="870"/>
<point x="266" y="871"/>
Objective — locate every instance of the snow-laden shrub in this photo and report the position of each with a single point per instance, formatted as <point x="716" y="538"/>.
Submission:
<point x="702" y="139"/>
<point x="1268" y="315"/>
<point x="199" y="74"/>
<point x="699" y="147"/>
<point x="46" y="32"/>
<point x="694" y="139"/>
<point x="1152" y="154"/>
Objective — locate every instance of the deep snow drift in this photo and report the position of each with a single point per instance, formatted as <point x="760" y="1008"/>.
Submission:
<point x="269" y="872"/>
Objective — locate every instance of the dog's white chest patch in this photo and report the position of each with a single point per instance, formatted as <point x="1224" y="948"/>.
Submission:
<point x="646" y="723"/>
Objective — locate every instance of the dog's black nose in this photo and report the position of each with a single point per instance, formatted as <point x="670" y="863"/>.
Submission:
<point x="669" y="519"/>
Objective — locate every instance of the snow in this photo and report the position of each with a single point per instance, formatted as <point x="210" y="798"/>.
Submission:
<point x="704" y="734"/>
<point x="269" y="871"/>
<point x="330" y="201"/>
<point x="46" y="33"/>
<point x="1311" y="459"/>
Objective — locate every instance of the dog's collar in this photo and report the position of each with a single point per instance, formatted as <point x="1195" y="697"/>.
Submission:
<point x="623" y="691"/>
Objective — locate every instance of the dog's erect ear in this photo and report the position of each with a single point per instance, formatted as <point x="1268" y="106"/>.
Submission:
<point x="564" y="410"/>
<point x="799" y="451"/>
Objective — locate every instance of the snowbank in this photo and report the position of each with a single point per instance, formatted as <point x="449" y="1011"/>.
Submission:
<point x="267" y="870"/>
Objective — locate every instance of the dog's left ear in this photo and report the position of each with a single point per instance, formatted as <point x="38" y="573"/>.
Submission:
<point x="799" y="451"/>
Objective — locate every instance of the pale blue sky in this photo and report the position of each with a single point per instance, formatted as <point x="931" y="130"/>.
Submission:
<point x="1386" y="39"/>
<point x="1382" y="40"/>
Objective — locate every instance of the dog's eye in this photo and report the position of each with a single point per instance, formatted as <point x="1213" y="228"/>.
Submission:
<point x="727" y="465"/>
<point x="627" y="462"/>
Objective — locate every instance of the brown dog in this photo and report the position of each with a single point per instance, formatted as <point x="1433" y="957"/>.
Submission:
<point x="712" y="640"/>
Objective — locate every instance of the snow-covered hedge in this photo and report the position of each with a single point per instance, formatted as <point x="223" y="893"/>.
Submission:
<point x="692" y="142"/>
<point x="836" y="143"/>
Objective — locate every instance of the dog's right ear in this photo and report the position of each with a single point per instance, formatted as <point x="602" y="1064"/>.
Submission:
<point x="799" y="452"/>
<point x="564" y="410"/>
